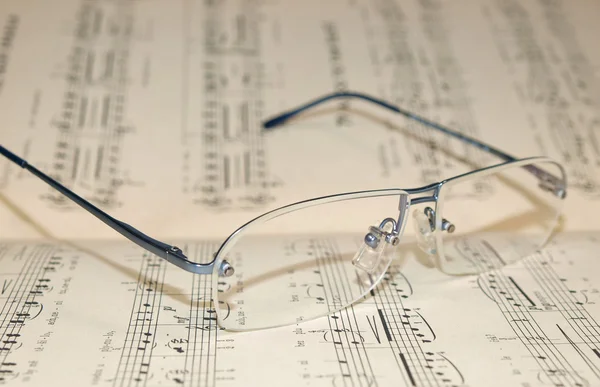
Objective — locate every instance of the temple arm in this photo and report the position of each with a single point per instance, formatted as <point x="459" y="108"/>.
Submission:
<point x="547" y="181"/>
<point x="282" y="118"/>
<point x="172" y="254"/>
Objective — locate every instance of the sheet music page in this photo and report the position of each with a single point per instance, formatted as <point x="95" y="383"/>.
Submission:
<point x="153" y="111"/>
<point x="118" y="317"/>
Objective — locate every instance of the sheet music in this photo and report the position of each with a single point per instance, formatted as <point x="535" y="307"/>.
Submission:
<point x="137" y="104"/>
<point x="152" y="110"/>
<point x="118" y="316"/>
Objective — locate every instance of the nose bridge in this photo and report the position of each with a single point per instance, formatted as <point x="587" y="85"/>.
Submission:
<point x="424" y="230"/>
<point x="403" y="208"/>
<point x="426" y="194"/>
<point x="423" y="199"/>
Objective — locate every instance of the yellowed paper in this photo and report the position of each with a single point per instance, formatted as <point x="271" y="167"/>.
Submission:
<point x="153" y="111"/>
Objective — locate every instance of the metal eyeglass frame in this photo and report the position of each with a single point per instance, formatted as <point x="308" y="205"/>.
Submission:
<point x="176" y="256"/>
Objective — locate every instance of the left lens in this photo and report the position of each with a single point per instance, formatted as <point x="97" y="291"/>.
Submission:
<point x="305" y="261"/>
<point x="497" y="216"/>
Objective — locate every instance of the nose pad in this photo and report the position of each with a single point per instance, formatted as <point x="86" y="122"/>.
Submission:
<point x="377" y="248"/>
<point x="424" y="232"/>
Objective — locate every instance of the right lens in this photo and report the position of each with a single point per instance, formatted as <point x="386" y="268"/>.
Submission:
<point x="497" y="217"/>
<point x="296" y="263"/>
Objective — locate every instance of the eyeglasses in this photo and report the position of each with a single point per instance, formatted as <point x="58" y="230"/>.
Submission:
<point x="315" y="257"/>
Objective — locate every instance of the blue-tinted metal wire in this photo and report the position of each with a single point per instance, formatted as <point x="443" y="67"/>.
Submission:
<point x="282" y="118"/>
<point x="170" y="253"/>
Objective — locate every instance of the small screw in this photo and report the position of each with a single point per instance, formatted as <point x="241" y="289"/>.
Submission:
<point x="371" y="240"/>
<point x="447" y="226"/>
<point x="226" y="269"/>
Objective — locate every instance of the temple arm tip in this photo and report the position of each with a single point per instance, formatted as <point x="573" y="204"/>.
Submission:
<point x="276" y="121"/>
<point x="13" y="157"/>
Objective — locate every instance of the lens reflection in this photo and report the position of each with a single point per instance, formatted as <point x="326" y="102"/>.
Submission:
<point x="299" y="265"/>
